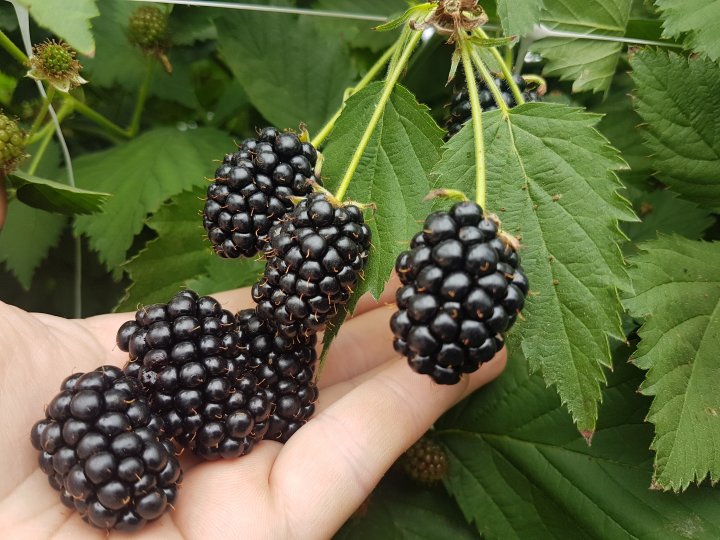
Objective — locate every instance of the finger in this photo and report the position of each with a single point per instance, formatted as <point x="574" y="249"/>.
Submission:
<point x="356" y="439"/>
<point x="367" y="302"/>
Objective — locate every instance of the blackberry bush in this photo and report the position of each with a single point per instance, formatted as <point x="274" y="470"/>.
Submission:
<point x="462" y="288"/>
<point x="186" y="354"/>
<point x="285" y="369"/>
<point x="425" y="461"/>
<point x="254" y="188"/>
<point x="460" y="110"/>
<point x="315" y="258"/>
<point x="105" y="452"/>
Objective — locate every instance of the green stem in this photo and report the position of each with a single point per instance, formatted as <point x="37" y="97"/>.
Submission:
<point x="390" y="83"/>
<point x="488" y="78"/>
<point x="141" y="98"/>
<point x="99" y="119"/>
<point x="46" y="135"/>
<point x="478" y="137"/>
<point x="367" y="79"/>
<point x="12" y="49"/>
<point x="40" y="152"/>
<point x="506" y="71"/>
<point x="43" y="111"/>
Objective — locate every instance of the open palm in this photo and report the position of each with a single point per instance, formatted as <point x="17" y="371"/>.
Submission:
<point x="371" y="408"/>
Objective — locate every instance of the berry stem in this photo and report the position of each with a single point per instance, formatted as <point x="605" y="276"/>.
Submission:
<point x="506" y="70"/>
<point x="12" y="49"/>
<point x="42" y="112"/>
<point x="390" y="83"/>
<point x="99" y="119"/>
<point x="489" y="79"/>
<point x="478" y="136"/>
<point x="367" y="79"/>
<point x="141" y="98"/>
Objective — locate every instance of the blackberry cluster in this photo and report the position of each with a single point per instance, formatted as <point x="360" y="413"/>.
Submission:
<point x="461" y="111"/>
<point x="315" y="258"/>
<point x="147" y="28"/>
<point x="12" y="144"/>
<point x="425" y="461"/>
<point x="462" y="288"/>
<point x="253" y="190"/>
<point x="186" y="354"/>
<point x="104" y="451"/>
<point x="286" y="370"/>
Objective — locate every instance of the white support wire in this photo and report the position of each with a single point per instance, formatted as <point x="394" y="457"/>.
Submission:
<point x="540" y="31"/>
<point x="23" y="18"/>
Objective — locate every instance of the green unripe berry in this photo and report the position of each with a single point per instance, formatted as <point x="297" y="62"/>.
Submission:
<point x="425" y="461"/>
<point x="12" y="144"/>
<point x="147" y="28"/>
<point x="56" y="62"/>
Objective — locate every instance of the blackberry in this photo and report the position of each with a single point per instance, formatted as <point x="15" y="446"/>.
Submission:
<point x="186" y="354"/>
<point x="462" y="287"/>
<point x="315" y="259"/>
<point x="425" y="461"/>
<point x="253" y="190"/>
<point x="147" y="28"/>
<point x="286" y="370"/>
<point x="461" y="111"/>
<point x="104" y="451"/>
<point x="57" y="63"/>
<point x="12" y="144"/>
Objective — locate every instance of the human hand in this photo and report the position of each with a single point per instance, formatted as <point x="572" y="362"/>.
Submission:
<point x="371" y="408"/>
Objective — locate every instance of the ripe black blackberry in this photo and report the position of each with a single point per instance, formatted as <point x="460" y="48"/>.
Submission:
<point x="185" y="353"/>
<point x="462" y="288"/>
<point x="425" y="461"/>
<point x="314" y="260"/>
<point x="253" y="189"/>
<point x="104" y="451"/>
<point x="285" y="369"/>
<point x="461" y="111"/>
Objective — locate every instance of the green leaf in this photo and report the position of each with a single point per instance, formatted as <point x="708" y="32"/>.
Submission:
<point x="55" y="197"/>
<point x="289" y="72"/>
<point x="410" y="14"/>
<point x="393" y="172"/>
<point x="141" y="175"/>
<point x="662" y="212"/>
<point x="181" y="257"/>
<point x="26" y="238"/>
<point x="518" y="468"/>
<point x="360" y="34"/>
<point x="400" y="510"/>
<point x="519" y="16"/>
<point x="225" y="274"/>
<point x="551" y="179"/>
<point x="590" y="64"/>
<point x="697" y="20"/>
<point x="677" y="294"/>
<point x="681" y="128"/>
<point x="69" y="19"/>
<point x="620" y="124"/>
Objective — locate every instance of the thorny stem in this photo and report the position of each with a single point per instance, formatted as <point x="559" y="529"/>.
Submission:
<point x="390" y="83"/>
<point x="369" y="76"/>
<point x="478" y="137"/>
